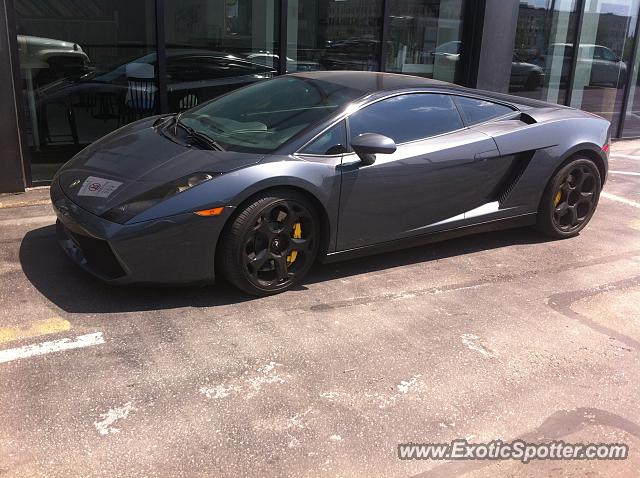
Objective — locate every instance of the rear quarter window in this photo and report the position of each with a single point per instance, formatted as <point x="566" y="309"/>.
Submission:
<point x="477" y="111"/>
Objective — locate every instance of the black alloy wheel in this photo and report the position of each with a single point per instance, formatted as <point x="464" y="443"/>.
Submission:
<point x="570" y="199"/>
<point x="271" y="244"/>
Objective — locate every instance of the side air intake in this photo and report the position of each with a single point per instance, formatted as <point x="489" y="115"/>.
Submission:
<point x="520" y="163"/>
<point x="527" y="119"/>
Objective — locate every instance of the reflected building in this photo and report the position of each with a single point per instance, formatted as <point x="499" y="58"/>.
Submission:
<point x="79" y="70"/>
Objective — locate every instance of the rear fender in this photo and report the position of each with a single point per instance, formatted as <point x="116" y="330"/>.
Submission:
<point x="551" y="143"/>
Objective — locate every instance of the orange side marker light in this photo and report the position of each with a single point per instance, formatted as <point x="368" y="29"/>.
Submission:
<point x="216" y="211"/>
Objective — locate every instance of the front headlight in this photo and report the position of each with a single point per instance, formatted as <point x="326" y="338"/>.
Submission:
<point x="127" y="211"/>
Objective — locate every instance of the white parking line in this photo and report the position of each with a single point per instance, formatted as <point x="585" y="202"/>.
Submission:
<point x="626" y="156"/>
<point x="613" y="197"/>
<point x="52" y="346"/>
<point x="625" y="172"/>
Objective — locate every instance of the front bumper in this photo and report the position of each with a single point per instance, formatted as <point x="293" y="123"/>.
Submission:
<point x="173" y="250"/>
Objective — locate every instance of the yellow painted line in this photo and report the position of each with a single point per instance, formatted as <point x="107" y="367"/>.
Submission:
<point x="42" y="327"/>
<point x="35" y="202"/>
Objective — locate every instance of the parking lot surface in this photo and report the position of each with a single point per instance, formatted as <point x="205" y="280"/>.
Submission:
<point x="503" y="335"/>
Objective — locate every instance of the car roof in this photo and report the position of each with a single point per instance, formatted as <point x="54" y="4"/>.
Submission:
<point x="369" y="82"/>
<point x="372" y="82"/>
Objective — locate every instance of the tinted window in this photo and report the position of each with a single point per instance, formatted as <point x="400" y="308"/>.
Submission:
<point x="263" y="116"/>
<point x="604" y="54"/>
<point x="331" y="142"/>
<point x="407" y="117"/>
<point x="477" y="111"/>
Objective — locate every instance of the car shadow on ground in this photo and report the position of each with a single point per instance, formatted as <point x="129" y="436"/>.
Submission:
<point x="73" y="290"/>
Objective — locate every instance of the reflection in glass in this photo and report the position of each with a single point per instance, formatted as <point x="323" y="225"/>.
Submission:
<point x="425" y="38"/>
<point x="632" y="119"/>
<point x="85" y="72"/>
<point x="216" y="46"/>
<point x="334" y="35"/>
<point x="264" y="116"/>
<point x="604" y="51"/>
<point x="543" y="51"/>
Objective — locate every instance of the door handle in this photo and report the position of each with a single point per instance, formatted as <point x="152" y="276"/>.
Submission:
<point x="487" y="155"/>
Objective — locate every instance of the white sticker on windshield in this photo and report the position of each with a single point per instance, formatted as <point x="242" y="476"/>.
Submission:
<point x="98" y="187"/>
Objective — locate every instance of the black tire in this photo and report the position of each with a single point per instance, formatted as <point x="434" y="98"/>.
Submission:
<point x="570" y="199"/>
<point x="256" y="248"/>
<point x="533" y="82"/>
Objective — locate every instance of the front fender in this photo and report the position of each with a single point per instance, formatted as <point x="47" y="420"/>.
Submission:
<point x="319" y="179"/>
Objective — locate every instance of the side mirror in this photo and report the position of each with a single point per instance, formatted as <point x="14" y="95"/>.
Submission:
<point x="367" y="145"/>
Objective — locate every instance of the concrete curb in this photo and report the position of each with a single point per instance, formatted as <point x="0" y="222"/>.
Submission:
<point x="31" y="197"/>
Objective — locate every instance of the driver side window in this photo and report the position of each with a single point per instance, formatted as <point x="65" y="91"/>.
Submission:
<point x="330" y="142"/>
<point x="408" y="117"/>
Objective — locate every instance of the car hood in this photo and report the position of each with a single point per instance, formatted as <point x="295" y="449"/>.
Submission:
<point x="134" y="160"/>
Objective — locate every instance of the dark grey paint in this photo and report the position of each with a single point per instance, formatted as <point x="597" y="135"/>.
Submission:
<point x="425" y="187"/>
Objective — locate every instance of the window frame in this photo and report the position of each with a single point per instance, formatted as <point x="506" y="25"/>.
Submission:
<point x="490" y="100"/>
<point x="358" y="105"/>
<point x="406" y="93"/>
<point x="347" y="139"/>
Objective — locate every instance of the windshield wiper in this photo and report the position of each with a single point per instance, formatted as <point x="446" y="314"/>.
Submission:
<point x="177" y="122"/>
<point x="202" y="138"/>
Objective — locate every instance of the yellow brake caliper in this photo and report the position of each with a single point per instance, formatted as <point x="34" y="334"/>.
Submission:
<point x="297" y="234"/>
<point x="556" y="200"/>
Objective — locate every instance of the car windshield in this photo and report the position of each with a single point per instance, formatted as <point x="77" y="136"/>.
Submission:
<point x="262" y="117"/>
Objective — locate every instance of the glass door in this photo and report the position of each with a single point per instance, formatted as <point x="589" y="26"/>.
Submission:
<point x="425" y="38"/>
<point x="334" y="35"/>
<point x="604" y="53"/>
<point x="543" y="50"/>
<point x="87" y="68"/>
<point x="216" y="46"/>
<point x="632" y="118"/>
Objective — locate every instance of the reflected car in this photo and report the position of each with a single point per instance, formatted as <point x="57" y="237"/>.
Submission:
<point x="273" y="60"/>
<point x="129" y="90"/>
<point x="259" y="184"/>
<point x="48" y="59"/>
<point x="524" y="75"/>
<point x="352" y="54"/>
<point x="604" y="66"/>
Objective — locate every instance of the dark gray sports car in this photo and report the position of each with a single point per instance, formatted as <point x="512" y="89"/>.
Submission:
<point x="258" y="184"/>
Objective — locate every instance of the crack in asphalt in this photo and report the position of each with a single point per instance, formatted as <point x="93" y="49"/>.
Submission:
<point x="487" y="281"/>
<point x="562" y="302"/>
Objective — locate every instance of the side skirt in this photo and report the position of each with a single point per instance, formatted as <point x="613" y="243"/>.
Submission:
<point x="489" y="226"/>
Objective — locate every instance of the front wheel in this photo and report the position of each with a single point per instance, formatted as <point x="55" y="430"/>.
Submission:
<point x="570" y="199"/>
<point x="271" y="244"/>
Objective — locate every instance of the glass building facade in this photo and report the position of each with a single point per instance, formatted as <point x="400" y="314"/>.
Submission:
<point x="83" y="68"/>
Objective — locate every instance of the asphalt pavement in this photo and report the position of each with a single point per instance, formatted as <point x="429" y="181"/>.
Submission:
<point x="496" y="336"/>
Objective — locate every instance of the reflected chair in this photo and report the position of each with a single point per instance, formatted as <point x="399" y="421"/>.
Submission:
<point x="140" y="100"/>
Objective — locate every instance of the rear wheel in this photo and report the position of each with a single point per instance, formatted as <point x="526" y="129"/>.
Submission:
<point x="570" y="199"/>
<point x="271" y="244"/>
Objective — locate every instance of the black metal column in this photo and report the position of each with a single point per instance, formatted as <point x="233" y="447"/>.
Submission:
<point x="384" y="34"/>
<point x="12" y="167"/>
<point x="499" y="24"/>
<point x="282" y="36"/>
<point x="161" y="49"/>
<point x="576" y="44"/>
<point x="473" y="19"/>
